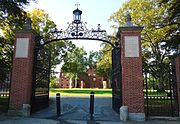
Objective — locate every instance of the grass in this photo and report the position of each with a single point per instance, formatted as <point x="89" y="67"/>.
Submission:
<point x="81" y="92"/>
<point x="3" y="104"/>
<point x="3" y="100"/>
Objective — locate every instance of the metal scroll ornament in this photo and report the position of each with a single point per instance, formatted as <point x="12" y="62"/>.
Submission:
<point x="79" y="31"/>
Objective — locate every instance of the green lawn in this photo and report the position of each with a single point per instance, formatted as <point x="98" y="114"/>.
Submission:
<point x="81" y="92"/>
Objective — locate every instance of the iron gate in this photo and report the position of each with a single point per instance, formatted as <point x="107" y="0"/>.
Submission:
<point x="5" y="80"/>
<point x="41" y="79"/>
<point x="4" y="93"/>
<point x="161" y="103"/>
<point x="116" y="80"/>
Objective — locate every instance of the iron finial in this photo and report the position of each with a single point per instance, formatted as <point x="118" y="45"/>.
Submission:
<point x="77" y="4"/>
<point x="128" y="20"/>
<point x="28" y="23"/>
<point x="99" y="27"/>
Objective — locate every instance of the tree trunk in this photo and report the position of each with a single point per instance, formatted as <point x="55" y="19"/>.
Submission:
<point x="161" y="85"/>
<point x="76" y="81"/>
<point x="70" y="83"/>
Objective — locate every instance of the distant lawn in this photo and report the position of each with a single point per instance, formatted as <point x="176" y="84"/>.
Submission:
<point x="81" y="92"/>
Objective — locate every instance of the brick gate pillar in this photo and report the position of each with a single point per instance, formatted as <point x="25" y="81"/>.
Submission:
<point x="132" y="76"/>
<point x="23" y="56"/>
<point x="177" y="67"/>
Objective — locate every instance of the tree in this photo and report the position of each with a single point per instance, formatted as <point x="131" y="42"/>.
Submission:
<point x="149" y="14"/>
<point x="173" y="18"/>
<point x="54" y="82"/>
<point x="12" y="12"/>
<point x="12" y="17"/>
<point x="92" y="59"/>
<point x="75" y="63"/>
<point x="43" y="27"/>
<point x="104" y="63"/>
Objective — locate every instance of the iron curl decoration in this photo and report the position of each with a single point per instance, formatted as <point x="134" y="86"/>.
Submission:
<point x="79" y="31"/>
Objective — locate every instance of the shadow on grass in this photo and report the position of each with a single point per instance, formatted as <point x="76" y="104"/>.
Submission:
<point x="3" y="104"/>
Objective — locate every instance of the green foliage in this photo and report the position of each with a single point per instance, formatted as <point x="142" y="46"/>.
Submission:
<point x="12" y="17"/>
<point x="12" y="13"/>
<point x="92" y="59"/>
<point x="41" y="22"/>
<point x="173" y="19"/>
<point x="104" y="63"/>
<point x="74" y="63"/>
<point x="156" y="52"/>
<point x="5" y="58"/>
<point x="54" y="83"/>
<point x="43" y="26"/>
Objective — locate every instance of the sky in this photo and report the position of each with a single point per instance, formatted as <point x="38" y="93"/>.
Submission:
<point x="94" y="12"/>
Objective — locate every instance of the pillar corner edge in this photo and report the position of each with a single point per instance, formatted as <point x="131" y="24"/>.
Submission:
<point x="26" y="31"/>
<point x="130" y="28"/>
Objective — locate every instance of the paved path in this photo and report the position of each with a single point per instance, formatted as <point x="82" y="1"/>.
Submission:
<point x="75" y="110"/>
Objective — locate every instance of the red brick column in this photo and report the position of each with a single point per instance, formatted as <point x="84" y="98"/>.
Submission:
<point x="21" y="85"/>
<point x="132" y="76"/>
<point x="177" y="66"/>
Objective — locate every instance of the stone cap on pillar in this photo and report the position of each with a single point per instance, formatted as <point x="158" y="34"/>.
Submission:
<point x="129" y="26"/>
<point x="178" y="49"/>
<point x="27" y="27"/>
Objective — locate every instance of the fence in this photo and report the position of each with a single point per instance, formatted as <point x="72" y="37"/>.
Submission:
<point x="160" y="95"/>
<point x="4" y="94"/>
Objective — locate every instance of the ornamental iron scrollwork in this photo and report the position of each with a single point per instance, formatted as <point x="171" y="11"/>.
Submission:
<point x="78" y="30"/>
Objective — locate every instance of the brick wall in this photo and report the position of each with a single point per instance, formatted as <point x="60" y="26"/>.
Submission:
<point x="21" y="85"/>
<point x="177" y="65"/>
<point x="88" y="80"/>
<point x="132" y="78"/>
<point x="64" y="82"/>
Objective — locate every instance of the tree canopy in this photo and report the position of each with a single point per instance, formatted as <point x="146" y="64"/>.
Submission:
<point x="156" y="51"/>
<point x="173" y="18"/>
<point x="104" y="63"/>
<point x="43" y="26"/>
<point x="12" y="17"/>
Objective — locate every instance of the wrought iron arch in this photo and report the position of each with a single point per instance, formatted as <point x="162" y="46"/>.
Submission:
<point x="78" y="31"/>
<point x="75" y="31"/>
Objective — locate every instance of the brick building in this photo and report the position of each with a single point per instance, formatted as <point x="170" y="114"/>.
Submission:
<point x="87" y="80"/>
<point x="65" y="82"/>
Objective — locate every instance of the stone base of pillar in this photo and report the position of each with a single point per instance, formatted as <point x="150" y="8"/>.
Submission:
<point x="137" y="116"/>
<point x="25" y="111"/>
<point x="12" y="112"/>
<point x="123" y="113"/>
